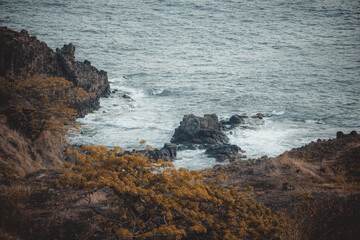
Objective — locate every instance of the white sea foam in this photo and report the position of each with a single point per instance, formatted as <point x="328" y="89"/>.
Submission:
<point x="270" y="139"/>
<point x="220" y="62"/>
<point x="194" y="160"/>
<point x="278" y="112"/>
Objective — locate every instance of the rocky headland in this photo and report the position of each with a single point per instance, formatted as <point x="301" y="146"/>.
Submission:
<point x="22" y="57"/>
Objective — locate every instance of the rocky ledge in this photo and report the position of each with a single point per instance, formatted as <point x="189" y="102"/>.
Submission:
<point x="23" y="56"/>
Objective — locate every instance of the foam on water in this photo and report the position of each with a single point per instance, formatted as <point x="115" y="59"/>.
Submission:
<point x="194" y="160"/>
<point x="269" y="139"/>
<point x="297" y="62"/>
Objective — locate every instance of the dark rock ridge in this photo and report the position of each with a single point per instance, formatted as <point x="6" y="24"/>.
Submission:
<point x="22" y="56"/>
<point x="206" y="133"/>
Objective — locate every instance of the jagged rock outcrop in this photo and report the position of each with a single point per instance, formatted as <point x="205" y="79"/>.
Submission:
<point x="167" y="153"/>
<point x="199" y="130"/>
<point x="206" y="133"/>
<point x="23" y="56"/>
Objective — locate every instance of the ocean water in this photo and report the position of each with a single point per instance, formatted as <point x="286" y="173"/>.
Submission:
<point x="297" y="61"/>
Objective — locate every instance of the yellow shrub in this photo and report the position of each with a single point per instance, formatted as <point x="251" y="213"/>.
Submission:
<point x="152" y="200"/>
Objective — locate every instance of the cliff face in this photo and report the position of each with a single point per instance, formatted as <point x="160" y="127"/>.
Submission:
<point x="22" y="56"/>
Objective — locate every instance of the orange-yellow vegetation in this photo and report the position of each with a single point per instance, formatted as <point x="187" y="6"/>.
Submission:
<point x="150" y="199"/>
<point x="41" y="103"/>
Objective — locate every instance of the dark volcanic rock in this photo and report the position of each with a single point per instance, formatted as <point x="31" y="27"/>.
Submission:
<point x="206" y="133"/>
<point x="22" y="56"/>
<point x="340" y="134"/>
<point x="199" y="130"/>
<point x="224" y="152"/>
<point x="233" y="122"/>
<point x="166" y="153"/>
<point x="236" y="119"/>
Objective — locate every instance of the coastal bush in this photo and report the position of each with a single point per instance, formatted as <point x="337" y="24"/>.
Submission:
<point x="148" y="199"/>
<point x="40" y="103"/>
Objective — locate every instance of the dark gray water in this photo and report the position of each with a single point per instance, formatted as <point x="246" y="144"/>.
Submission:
<point x="298" y="61"/>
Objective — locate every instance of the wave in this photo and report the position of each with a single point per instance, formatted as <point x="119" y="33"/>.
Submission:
<point x="278" y="112"/>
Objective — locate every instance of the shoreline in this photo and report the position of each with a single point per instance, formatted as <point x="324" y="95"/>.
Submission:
<point x="316" y="187"/>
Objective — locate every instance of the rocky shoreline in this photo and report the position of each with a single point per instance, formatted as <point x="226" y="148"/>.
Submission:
<point x="316" y="187"/>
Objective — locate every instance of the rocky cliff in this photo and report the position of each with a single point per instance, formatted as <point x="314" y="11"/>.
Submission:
<point x="23" y="56"/>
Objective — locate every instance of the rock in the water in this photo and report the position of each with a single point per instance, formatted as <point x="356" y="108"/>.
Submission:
<point x="126" y="96"/>
<point x="22" y="56"/>
<point x="224" y="152"/>
<point x="233" y="122"/>
<point x="258" y="115"/>
<point x="167" y="153"/>
<point x="171" y="148"/>
<point x="200" y="130"/>
<point x="236" y="119"/>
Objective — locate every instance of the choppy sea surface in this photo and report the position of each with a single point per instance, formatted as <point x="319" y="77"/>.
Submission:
<point x="297" y="62"/>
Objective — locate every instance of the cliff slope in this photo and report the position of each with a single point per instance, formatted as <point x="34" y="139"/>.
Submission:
<point x="23" y="56"/>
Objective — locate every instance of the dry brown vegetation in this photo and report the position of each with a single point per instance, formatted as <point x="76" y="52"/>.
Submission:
<point x="316" y="186"/>
<point x="40" y="104"/>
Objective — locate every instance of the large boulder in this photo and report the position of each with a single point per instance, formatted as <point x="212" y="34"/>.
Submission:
<point x="233" y="122"/>
<point x="22" y="56"/>
<point x="199" y="130"/>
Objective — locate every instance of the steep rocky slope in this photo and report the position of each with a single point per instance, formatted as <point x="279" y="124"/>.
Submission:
<point x="23" y="56"/>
